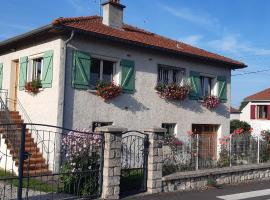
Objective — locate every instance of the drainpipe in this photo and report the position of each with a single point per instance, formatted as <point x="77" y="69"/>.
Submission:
<point x="62" y="122"/>
<point x="61" y="101"/>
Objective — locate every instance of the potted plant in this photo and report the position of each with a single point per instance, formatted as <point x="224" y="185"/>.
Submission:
<point x="33" y="86"/>
<point x="173" y="91"/>
<point x="210" y="102"/>
<point x="108" y="90"/>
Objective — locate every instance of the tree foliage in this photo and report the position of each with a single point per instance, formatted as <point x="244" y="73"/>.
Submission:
<point x="237" y="124"/>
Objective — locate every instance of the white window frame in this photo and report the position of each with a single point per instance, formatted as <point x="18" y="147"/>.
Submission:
<point x="115" y="76"/>
<point x="30" y="66"/>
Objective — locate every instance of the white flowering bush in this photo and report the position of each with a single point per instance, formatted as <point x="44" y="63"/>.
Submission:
<point x="81" y="162"/>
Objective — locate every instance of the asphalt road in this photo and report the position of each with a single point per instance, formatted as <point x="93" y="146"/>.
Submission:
<point x="249" y="191"/>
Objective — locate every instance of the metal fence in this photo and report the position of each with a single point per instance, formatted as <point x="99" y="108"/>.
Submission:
<point x="202" y="151"/>
<point x="70" y="168"/>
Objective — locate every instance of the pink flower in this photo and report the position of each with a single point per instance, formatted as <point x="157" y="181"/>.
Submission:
<point x="190" y="133"/>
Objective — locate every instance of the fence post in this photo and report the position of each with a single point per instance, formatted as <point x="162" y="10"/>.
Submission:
<point x="21" y="162"/>
<point x="112" y="161"/>
<point x="230" y="150"/>
<point x="197" y="153"/>
<point x="258" y="149"/>
<point x="155" y="159"/>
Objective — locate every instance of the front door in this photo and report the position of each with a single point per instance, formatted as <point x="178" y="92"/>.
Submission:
<point x="15" y="86"/>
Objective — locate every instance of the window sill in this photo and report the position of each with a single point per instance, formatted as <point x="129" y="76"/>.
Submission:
<point x="92" y="90"/>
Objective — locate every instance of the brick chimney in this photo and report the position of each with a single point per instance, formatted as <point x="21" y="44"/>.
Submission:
<point x="113" y="13"/>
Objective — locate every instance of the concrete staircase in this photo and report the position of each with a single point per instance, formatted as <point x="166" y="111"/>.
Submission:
<point x="35" y="165"/>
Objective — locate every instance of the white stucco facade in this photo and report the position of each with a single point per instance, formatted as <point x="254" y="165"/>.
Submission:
<point x="258" y="125"/>
<point x="144" y="108"/>
<point x="235" y="116"/>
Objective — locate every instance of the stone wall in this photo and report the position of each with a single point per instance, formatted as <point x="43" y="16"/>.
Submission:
<point x="196" y="180"/>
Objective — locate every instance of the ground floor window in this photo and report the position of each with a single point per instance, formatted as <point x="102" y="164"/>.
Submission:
<point x="99" y="124"/>
<point x="171" y="129"/>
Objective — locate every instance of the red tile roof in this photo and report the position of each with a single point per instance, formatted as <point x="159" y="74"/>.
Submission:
<point x="260" y="96"/>
<point x="234" y="110"/>
<point x="136" y="35"/>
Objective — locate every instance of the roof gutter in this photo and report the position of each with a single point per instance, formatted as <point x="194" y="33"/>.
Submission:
<point x="26" y="35"/>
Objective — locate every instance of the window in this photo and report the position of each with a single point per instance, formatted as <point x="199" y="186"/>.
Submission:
<point x="169" y="75"/>
<point x="101" y="70"/>
<point x="206" y="86"/>
<point x="99" y="124"/>
<point x="170" y="127"/>
<point x="34" y="69"/>
<point x="37" y="66"/>
<point x="262" y="112"/>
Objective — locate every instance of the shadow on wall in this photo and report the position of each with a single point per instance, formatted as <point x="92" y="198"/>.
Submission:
<point x="129" y="103"/>
<point x="186" y="104"/>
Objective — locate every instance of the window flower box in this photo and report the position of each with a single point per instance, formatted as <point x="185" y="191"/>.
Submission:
<point x="173" y="91"/>
<point x="210" y="102"/>
<point x="108" y="91"/>
<point x="33" y="86"/>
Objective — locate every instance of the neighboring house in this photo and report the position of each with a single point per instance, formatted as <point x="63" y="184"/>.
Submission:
<point x="257" y="111"/>
<point x="71" y="55"/>
<point x="235" y="114"/>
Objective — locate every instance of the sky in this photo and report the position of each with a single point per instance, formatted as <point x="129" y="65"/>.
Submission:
<point x="237" y="29"/>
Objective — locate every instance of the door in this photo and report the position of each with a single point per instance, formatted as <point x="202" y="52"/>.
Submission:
<point x="206" y="142"/>
<point x="15" y="86"/>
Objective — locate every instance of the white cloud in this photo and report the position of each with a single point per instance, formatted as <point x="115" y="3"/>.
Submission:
<point x="232" y="44"/>
<point x="197" y="17"/>
<point x="192" y="39"/>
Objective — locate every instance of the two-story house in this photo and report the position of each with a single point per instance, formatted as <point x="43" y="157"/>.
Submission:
<point x="257" y="111"/>
<point x="71" y="55"/>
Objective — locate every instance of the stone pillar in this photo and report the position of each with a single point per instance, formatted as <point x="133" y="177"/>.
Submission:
<point x="112" y="161"/>
<point x="155" y="159"/>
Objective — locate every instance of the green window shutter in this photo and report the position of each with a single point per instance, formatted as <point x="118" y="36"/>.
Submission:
<point x="222" y="88"/>
<point x="47" y="70"/>
<point x="195" y="84"/>
<point x="1" y="75"/>
<point x="128" y="75"/>
<point x="23" y="72"/>
<point x="81" y="70"/>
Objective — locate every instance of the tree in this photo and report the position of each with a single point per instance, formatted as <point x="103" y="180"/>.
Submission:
<point x="243" y="104"/>
<point x="237" y="124"/>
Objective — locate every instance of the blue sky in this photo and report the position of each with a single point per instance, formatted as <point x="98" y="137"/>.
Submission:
<point x="235" y="28"/>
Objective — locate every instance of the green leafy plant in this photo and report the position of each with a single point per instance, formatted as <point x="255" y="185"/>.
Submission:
<point x="238" y="125"/>
<point x="33" y="86"/>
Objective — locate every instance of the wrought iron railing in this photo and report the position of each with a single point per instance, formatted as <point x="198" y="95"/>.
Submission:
<point x="40" y="141"/>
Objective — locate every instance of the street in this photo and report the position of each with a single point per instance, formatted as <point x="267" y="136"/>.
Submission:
<point x="250" y="191"/>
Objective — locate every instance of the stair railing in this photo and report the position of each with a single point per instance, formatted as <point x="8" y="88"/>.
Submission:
<point x="27" y="119"/>
<point x="6" y="120"/>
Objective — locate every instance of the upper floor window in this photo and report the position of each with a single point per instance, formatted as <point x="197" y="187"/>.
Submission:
<point x="262" y="112"/>
<point x="101" y="70"/>
<point x="170" y="75"/>
<point x="206" y="86"/>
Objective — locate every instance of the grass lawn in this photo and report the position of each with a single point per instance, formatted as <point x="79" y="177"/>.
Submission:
<point x="32" y="183"/>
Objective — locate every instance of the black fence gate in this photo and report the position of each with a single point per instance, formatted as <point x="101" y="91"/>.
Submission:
<point x="134" y="163"/>
<point x="48" y="162"/>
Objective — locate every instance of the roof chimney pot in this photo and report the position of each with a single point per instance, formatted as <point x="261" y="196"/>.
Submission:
<point x="113" y="13"/>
